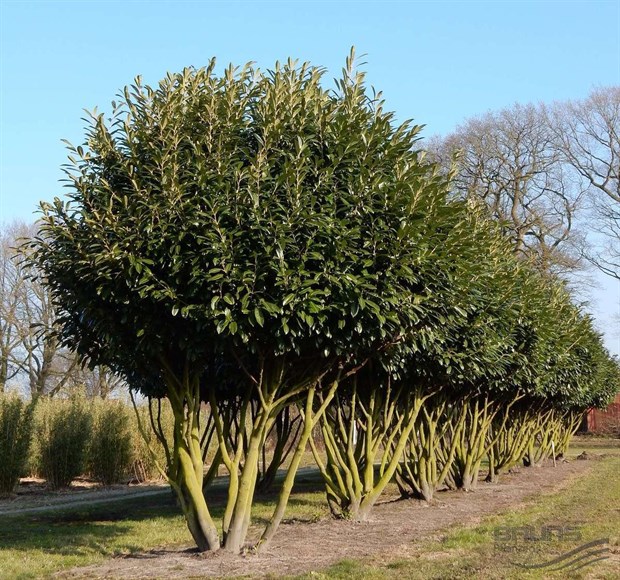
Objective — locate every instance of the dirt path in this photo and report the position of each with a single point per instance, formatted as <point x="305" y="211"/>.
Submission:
<point x="394" y="531"/>
<point x="85" y="498"/>
<point x="41" y="501"/>
<point x="33" y="496"/>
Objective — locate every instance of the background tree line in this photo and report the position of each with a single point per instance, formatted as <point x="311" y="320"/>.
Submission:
<point x="31" y="358"/>
<point x="549" y="174"/>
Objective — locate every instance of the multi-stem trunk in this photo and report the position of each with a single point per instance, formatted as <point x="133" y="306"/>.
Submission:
<point x="185" y="470"/>
<point x="540" y="445"/>
<point x="568" y="427"/>
<point x="430" y="450"/>
<point x="240" y="435"/>
<point x="509" y="437"/>
<point x="365" y="434"/>
<point x="242" y="462"/>
<point x="473" y="443"/>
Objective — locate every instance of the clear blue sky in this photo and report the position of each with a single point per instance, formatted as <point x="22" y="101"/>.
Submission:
<point x="436" y="62"/>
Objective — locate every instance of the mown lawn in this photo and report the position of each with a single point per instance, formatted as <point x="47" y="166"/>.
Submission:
<point x="36" y="545"/>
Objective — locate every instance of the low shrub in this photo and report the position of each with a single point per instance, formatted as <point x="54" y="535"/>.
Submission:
<point x="63" y="432"/>
<point x="15" y="437"/>
<point x="111" y="453"/>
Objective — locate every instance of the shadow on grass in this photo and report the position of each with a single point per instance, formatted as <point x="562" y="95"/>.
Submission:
<point x="110" y="528"/>
<point x="71" y="531"/>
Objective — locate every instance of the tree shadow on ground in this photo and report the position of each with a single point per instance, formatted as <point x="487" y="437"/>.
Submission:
<point x="82" y="529"/>
<point x="99" y="528"/>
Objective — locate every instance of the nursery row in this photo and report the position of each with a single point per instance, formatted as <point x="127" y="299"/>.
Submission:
<point x="262" y="246"/>
<point x="364" y="441"/>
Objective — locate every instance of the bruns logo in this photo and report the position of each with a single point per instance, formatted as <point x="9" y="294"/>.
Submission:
<point x="513" y="535"/>
<point x="580" y="557"/>
<point x="508" y="538"/>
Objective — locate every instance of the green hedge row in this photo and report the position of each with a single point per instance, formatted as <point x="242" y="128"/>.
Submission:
<point x="60" y="440"/>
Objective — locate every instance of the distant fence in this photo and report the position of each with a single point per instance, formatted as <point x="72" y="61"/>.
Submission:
<point x="605" y="421"/>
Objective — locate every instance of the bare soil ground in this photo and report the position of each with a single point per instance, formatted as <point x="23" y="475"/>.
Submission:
<point x="395" y="530"/>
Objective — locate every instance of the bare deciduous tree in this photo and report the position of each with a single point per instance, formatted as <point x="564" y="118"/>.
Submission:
<point x="587" y="133"/>
<point x="11" y="291"/>
<point x="30" y="353"/>
<point x="99" y="382"/>
<point x="509" y="161"/>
